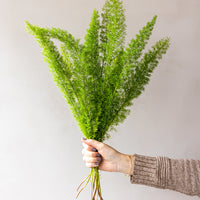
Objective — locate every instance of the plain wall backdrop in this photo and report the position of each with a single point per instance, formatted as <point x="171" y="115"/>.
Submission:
<point x="40" y="142"/>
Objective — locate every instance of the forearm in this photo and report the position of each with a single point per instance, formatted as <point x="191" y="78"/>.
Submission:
<point x="176" y="174"/>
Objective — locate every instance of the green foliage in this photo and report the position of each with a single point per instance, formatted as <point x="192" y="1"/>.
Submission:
<point x="100" y="78"/>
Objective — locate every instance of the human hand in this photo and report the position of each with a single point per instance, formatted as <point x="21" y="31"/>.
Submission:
<point x="105" y="157"/>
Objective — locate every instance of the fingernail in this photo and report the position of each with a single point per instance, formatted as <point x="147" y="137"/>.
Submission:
<point x="98" y="155"/>
<point x="93" y="149"/>
<point x="98" y="159"/>
<point x="84" y="138"/>
<point x="96" y="163"/>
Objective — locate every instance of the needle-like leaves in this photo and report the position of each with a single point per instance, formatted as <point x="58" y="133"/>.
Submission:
<point x="100" y="78"/>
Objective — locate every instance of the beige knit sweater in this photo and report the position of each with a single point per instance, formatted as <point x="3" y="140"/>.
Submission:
<point x="182" y="175"/>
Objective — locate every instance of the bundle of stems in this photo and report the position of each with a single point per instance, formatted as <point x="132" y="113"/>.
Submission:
<point x="100" y="78"/>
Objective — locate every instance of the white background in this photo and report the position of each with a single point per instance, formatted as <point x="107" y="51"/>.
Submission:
<point x="40" y="142"/>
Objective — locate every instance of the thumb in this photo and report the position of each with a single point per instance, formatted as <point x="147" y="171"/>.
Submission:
<point x="96" y="144"/>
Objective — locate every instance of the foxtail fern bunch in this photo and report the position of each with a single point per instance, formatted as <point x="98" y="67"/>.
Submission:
<point x="100" y="78"/>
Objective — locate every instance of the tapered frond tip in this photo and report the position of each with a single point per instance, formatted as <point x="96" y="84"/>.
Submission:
<point x="155" y="17"/>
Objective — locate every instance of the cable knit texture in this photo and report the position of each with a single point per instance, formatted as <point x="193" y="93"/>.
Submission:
<point x="181" y="175"/>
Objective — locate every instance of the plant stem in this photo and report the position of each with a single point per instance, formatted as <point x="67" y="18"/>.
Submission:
<point x="95" y="184"/>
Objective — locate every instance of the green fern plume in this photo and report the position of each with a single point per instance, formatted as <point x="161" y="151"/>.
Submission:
<point x="100" y="78"/>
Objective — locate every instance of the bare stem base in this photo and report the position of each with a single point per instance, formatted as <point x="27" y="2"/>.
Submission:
<point x="93" y="177"/>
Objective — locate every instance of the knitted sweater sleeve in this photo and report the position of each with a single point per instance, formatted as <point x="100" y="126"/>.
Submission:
<point x="182" y="175"/>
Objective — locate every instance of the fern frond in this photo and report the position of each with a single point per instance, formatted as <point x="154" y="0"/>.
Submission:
<point x="136" y="46"/>
<point x="135" y="84"/>
<point x="60" y="72"/>
<point x="113" y="30"/>
<point x="92" y="71"/>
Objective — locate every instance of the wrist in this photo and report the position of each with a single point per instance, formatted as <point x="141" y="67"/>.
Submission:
<point x="126" y="164"/>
